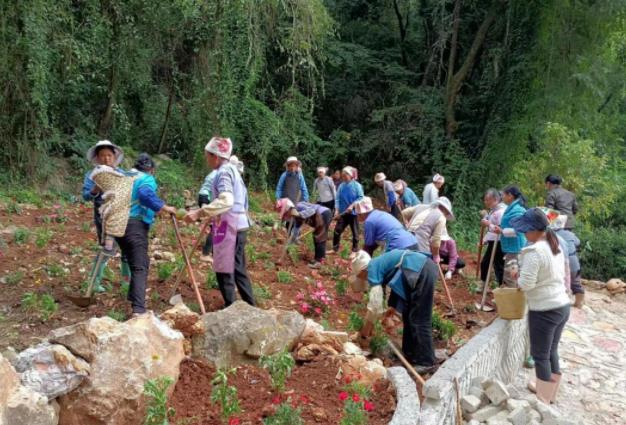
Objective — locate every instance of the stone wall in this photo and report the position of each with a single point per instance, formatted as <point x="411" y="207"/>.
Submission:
<point x="497" y="351"/>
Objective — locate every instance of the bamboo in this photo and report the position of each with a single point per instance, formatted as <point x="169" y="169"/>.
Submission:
<point x="188" y="263"/>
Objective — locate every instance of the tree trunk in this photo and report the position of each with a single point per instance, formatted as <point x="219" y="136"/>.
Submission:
<point x="455" y="82"/>
<point x="107" y="118"/>
<point x="166" y="120"/>
<point x="402" y="25"/>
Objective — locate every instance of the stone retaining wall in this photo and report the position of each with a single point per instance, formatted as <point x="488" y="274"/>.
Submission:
<point x="497" y="351"/>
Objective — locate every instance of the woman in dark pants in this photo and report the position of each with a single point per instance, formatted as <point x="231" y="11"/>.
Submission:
<point x="542" y="278"/>
<point x="491" y="219"/>
<point x="134" y="244"/>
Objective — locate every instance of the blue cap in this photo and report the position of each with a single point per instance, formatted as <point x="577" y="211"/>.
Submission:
<point x="533" y="219"/>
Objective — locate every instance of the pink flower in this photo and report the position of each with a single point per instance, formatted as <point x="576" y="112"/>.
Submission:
<point x="299" y="296"/>
<point x="318" y="310"/>
<point x="234" y="421"/>
<point x="319" y="285"/>
<point x="56" y="206"/>
<point x="304" y="308"/>
<point x="368" y="406"/>
<point x="343" y="396"/>
<point x="356" y="398"/>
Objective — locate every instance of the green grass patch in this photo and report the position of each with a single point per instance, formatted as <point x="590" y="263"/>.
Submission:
<point x="284" y="276"/>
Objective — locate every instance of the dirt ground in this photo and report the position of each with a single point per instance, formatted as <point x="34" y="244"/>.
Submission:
<point x="54" y="251"/>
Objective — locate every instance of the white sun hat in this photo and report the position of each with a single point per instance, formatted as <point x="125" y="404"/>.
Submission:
<point x="92" y="153"/>
<point x="364" y="205"/>
<point x="220" y="146"/>
<point x="359" y="263"/>
<point x="446" y="204"/>
<point x="379" y="177"/>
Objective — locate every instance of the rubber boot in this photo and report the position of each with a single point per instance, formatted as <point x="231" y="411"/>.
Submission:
<point x="529" y="363"/>
<point x="125" y="271"/>
<point x="579" y="300"/>
<point x="97" y="285"/>
<point x="556" y="379"/>
<point x="545" y="390"/>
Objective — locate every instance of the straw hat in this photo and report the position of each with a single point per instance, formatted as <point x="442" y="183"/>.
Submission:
<point x="364" y="205"/>
<point x="220" y="146"/>
<point x="379" y="177"/>
<point x="446" y="204"/>
<point x="399" y="185"/>
<point x="359" y="263"/>
<point x="92" y="153"/>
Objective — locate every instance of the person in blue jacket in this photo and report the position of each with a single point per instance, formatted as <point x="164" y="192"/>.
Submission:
<point x="102" y="153"/>
<point x="348" y="193"/>
<point x="145" y="204"/>
<point x="511" y="241"/>
<point x="390" y="195"/>
<point x="406" y="197"/>
<point x="291" y="183"/>
<point x="382" y="227"/>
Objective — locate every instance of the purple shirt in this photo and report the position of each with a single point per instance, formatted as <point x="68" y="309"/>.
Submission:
<point x="494" y="217"/>
<point x="448" y="249"/>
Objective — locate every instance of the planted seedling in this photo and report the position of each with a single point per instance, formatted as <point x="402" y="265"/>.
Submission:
<point x="43" y="306"/>
<point x="211" y="281"/>
<point x="261" y="292"/>
<point x="225" y="395"/>
<point x="284" y="276"/>
<point x="355" y="322"/>
<point x="285" y="414"/>
<point x="116" y="315"/>
<point x="14" y="278"/>
<point x="341" y="287"/>
<point x="164" y="271"/>
<point x="279" y="366"/>
<point x="155" y="390"/>
<point x="21" y="236"/>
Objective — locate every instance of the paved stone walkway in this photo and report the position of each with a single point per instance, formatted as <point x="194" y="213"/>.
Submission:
<point x="593" y="362"/>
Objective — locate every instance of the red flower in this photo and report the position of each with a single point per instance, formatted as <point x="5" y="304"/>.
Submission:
<point x="356" y="398"/>
<point x="304" y="399"/>
<point x="368" y="406"/>
<point x="234" y="421"/>
<point x="343" y="396"/>
<point x="318" y="310"/>
<point x="276" y="400"/>
<point x="347" y="379"/>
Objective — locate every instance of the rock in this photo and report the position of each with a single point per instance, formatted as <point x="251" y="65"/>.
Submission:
<point x="473" y="422"/>
<point x="9" y="381"/>
<point x="351" y="349"/>
<point x="514" y="392"/>
<point x="10" y="354"/>
<point x="364" y="371"/>
<point x="319" y="414"/>
<point x="501" y="418"/>
<point x="615" y="286"/>
<point x="512" y="404"/>
<point x="123" y="356"/>
<point x="8" y="231"/>
<point x="176" y="299"/>
<point x="531" y="399"/>
<point x="181" y="318"/>
<point x="533" y="415"/>
<point x="50" y="369"/>
<point x="496" y="392"/>
<point x="485" y="413"/>
<point x="478" y="381"/>
<point x="478" y="392"/>
<point x="519" y="416"/>
<point x="27" y="407"/>
<point x="470" y="403"/>
<point x="63" y="249"/>
<point x="548" y="413"/>
<point x="311" y="327"/>
<point x="242" y="332"/>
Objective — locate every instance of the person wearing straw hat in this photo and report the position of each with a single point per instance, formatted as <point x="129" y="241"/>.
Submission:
<point x="431" y="190"/>
<point x="380" y="227"/>
<point x="349" y="192"/>
<point x="315" y="215"/>
<point x="102" y="153"/>
<point x="449" y="255"/>
<point x="411" y="276"/>
<point x="229" y="208"/>
<point x="542" y="278"/>
<point x="572" y="244"/>
<point x="406" y="197"/>
<point x="291" y="183"/>
<point x="144" y="205"/>
<point x="428" y="223"/>
<point x="325" y="189"/>
<point x="390" y="195"/>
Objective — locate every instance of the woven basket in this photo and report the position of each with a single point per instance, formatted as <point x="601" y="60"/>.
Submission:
<point x="511" y="303"/>
<point x="115" y="209"/>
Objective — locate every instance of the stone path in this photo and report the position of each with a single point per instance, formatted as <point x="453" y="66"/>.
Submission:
<point x="593" y="362"/>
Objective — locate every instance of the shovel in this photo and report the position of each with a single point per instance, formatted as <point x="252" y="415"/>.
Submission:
<point x="482" y="305"/>
<point x="188" y="263"/>
<point x="447" y="290"/>
<point x="190" y="255"/>
<point x="89" y="299"/>
<point x="480" y="250"/>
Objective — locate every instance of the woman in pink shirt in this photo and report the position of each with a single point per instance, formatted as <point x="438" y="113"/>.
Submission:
<point x="449" y="254"/>
<point x="490" y="220"/>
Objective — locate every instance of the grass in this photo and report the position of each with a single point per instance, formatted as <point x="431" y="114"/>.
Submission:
<point x="211" y="281"/>
<point x="118" y="315"/>
<point x="261" y="292"/>
<point x="86" y="226"/>
<point x="165" y="271"/>
<point x="43" y="306"/>
<point x="124" y="288"/>
<point x="294" y="254"/>
<point x="56" y="270"/>
<point x="379" y="339"/>
<point x="341" y="287"/>
<point x="345" y="252"/>
<point x="284" y="276"/>
<point x="355" y="322"/>
<point x="251" y="253"/>
<point x="21" y="236"/>
<point x="14" y="278"/>
<point x="444" y="329"/>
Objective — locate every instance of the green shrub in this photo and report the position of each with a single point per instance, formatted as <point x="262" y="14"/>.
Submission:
<point x="601" y="253"/>
<point x="211" y="281"/>
<point x="341" y="287"/>
<point x="165" y="271"/>
<point x="15" y="277"/>
<point x="379" y="339"/>
<point x="294" y="254"/>
<point x="225" y="395"/>
<point x="286" y="414"/>
<point x="56" y="270"/>
<point x="355" y="322"/>
<point x="117" y="315"/>
<point x="444" y="329"/>
<point x="21" y="235"/>
<point x="284" y="276"/>
<point x="157" y="412"/>
<point x="43" y="306"/>
<point x="279" y="366"/>
<point x="261" y="292"/>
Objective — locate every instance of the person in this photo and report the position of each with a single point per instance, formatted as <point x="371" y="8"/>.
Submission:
<point x="230" y="209"/>
<point x="511" y="241"/>
<point x="382" y="227"/>
<point x="561" y="200"/>
<point x="390" y="195"/>
<point x="337" y="178"/>
<point x="145" y="204"/>
<point x="102" y="153"/>
<point x="291" y="183"/>
<point x="573" y="246"/>
<point x="449" y="254"/>
<point x="348" y="193"/>
<point x="411" y="276"/>
<point x="542" y="278"/>
<point x="406" y="197"/>
<point x="428" y="222"/>
<point x="325" y="189"/>
<point x="205" y="196"/>
<point x="491" y="219"/>
<point x="431" y="190"/>
<point x="315" y="215"/>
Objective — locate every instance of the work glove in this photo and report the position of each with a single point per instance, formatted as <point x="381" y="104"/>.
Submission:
<point x="449" y="274"/>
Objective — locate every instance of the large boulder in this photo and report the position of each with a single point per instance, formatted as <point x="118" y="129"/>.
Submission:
<point x="50" y="369"/>
<point x="242" y="332"/>
<point x="19" y="405"/>
<point x="122" y="357"/>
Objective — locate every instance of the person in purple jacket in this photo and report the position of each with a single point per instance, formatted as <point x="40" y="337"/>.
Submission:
<point x="382" y="227"/>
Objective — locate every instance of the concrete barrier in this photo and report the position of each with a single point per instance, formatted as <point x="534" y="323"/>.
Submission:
<point x="407" y="402"/>
<point x="497" y="351"/>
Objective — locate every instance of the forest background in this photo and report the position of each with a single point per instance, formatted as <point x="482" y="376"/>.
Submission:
<point x="485" y="92"/>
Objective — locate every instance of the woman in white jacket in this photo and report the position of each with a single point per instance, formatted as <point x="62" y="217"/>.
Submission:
<point x="542" y="278"/>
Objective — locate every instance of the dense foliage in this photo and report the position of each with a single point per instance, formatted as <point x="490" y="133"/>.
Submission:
<point x="486" y="92"/>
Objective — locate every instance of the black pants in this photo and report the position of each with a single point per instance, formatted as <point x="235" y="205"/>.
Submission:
<point x="330" y="205"/>
<point x="239" y="279"/>
<point x="344" y="221"/>
<point x="134" y="246"/>
<point x="498" y="263"/>
<point x="207" y="249"/>
<point x="460" y="263"/>
<point x="417" y="317"/>
<point x="320" y="247"/>
<point x="545" y="329"/>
